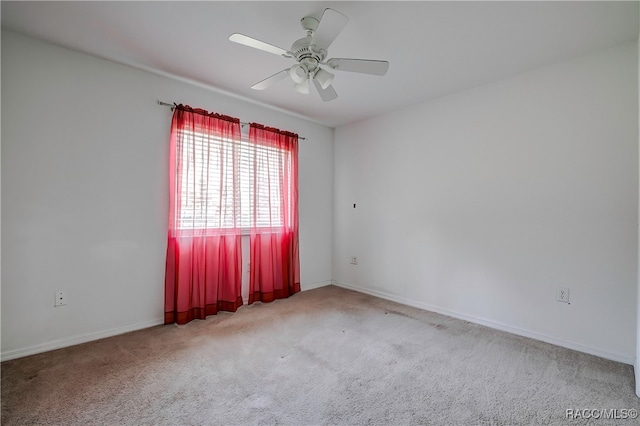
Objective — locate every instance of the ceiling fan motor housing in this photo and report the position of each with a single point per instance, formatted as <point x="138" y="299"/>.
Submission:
<point x="304" y="54"/>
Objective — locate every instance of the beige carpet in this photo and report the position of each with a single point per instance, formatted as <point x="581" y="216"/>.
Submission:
<point x="325" y="356"/>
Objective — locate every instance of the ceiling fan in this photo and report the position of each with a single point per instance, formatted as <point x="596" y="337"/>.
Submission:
<point x="310" y="53"/>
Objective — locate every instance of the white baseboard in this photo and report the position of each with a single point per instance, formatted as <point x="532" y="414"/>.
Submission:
<point x="63" y="343"/>
<point x="305" y="287"/>
<point x="625" y="359"/>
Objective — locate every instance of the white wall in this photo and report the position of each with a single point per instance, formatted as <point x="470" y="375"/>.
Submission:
<point x="479" y="204"/>
<point x="85" y="194"/>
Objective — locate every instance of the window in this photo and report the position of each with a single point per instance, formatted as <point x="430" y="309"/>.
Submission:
<point x="221" y="186"/>
<point x="226" y="183"/>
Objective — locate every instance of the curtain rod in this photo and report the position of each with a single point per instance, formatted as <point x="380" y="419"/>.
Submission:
<point x="174" y="105"/>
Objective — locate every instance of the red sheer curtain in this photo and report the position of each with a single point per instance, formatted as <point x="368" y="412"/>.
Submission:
<point x="203" y="269"/>
<point x="275" y="264"/>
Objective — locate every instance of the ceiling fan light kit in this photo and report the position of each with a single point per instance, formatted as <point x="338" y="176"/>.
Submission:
<point x="302" y="87"/>
<point x="310" y="53"/>
<point x="298" y="73"/>
<point x="325" y="78"/>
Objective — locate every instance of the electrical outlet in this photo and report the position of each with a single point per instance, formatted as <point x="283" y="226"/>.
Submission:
<point x="61" y="298"/>
<point x="354" y="260"/>
<point x="562" y="294"/>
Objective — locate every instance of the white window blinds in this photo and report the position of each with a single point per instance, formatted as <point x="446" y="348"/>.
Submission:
<point x="227" y="183"/>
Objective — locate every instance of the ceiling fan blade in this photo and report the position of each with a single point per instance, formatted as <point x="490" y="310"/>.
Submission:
<point x="363" y="66"/>
<point x="327" y="94"/>
<point x="270" y="80"/>
<point x="331" y="24"/>
<point x="257" y="44"/>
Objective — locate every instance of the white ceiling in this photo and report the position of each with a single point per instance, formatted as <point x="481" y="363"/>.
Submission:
<point x="434" y="48"/>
